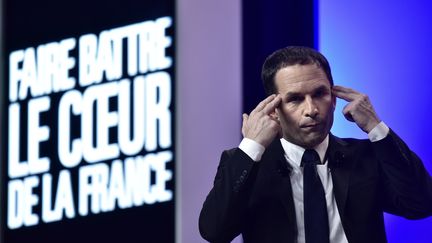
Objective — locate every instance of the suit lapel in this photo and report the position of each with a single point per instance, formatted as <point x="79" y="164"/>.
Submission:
<point x="341" y="166"/>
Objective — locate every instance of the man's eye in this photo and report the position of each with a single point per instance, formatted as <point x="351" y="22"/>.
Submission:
<point x="320" y="93"/>
<point x="294" y="99"/>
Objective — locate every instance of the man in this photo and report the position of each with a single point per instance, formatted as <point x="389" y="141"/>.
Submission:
<point x="263" y="188"/>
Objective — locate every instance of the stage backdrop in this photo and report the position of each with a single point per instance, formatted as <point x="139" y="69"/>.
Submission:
<point x="383" y="49"/>
<point x="88" y="110"/>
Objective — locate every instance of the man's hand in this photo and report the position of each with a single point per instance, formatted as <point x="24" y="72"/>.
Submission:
<point x="359" y="109"/>
<point x="261" y="125"/>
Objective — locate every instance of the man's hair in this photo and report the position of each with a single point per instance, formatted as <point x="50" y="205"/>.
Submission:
<point x="290" y="56"/>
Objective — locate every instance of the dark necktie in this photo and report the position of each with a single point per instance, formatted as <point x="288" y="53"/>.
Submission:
<point x="315" y="207"/>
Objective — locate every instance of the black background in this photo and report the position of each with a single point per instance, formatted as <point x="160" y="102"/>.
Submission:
<point x="31" y="23"/>
<point x="269" y="25"/>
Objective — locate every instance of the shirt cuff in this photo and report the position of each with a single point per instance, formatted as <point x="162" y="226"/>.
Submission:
<point x="253" y="149"/>
<point x="379" y="132"/>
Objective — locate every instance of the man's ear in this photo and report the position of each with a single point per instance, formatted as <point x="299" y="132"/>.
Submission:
<point x="334" y="102"/>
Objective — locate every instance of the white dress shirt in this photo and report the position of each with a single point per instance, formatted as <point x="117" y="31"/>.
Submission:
<point x="293" y="155"/>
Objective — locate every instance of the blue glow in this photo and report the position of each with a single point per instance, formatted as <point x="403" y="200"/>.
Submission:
<point x="383" y="49"/>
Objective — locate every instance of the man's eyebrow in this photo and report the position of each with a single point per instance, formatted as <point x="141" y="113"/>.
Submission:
<point x="293" y="93"/>
<point x="290" y="94"/>
<point x="321" y="88"/>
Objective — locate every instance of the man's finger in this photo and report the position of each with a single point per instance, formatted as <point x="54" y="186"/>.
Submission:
<point x="271" y="107"/>
<point x="263" y="103"/>
<point x="343" y="96"/>
<point x="347" y="112"/>
<point x="345" y="93"/>
<point x="343" y="88"/>
<point x="245" y="119"/>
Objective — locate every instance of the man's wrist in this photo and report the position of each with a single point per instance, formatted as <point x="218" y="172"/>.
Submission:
<point x="253" y="149"/>
<point x="379" y="132"/>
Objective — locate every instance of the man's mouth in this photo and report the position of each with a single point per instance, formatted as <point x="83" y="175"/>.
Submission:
<point x="310" y="125"/>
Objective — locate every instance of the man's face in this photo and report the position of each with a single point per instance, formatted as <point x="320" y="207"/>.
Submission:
<point x="307" y="107"/>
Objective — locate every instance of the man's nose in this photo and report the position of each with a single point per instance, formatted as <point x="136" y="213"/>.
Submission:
<point x="311" y="110"/>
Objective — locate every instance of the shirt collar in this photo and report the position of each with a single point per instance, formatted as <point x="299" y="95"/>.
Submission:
<point x="294" y="152"/>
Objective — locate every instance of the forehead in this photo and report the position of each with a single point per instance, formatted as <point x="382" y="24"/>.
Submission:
<point x="300" y="78"/>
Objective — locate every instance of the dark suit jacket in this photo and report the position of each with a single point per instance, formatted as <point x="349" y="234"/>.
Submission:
<point x="255" y="198"/>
